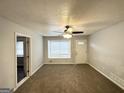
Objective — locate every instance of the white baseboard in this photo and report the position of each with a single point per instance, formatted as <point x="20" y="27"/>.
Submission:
<point x="26" y="78"/>
<point x="37" y="69"/>
<point x="122" y="87"/>
<point x="64" y="63"/>
<point x="20" y="83"/>
<point x="59" y="63"/>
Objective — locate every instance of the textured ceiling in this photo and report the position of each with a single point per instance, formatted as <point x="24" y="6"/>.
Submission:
<point x="46" y="16"/>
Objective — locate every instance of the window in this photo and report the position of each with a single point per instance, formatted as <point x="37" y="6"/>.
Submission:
<point x="59" y="49"/>
<point x="20" y="49"/>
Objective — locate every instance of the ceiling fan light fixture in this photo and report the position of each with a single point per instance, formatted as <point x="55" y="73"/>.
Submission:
<point x="70" y="30"/>
<point x="67" y="35"/>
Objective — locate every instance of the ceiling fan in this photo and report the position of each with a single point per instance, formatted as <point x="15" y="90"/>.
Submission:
<point x="68" y="32"/>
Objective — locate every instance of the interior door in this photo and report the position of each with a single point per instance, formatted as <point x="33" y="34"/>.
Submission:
<point x="27" y="56"/>
<point x="23" y="57"/>
<point x="81" y="51"/>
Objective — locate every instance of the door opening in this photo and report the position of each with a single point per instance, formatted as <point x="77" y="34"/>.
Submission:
<point x="81" y="51"/>
<point x="22" y="54"/>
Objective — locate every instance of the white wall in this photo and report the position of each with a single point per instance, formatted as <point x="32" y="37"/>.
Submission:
<point x="7" y="41"/>
<point x="106" y="52"/>
<point x="37" y="51"/>
<point x="73" y="51"/>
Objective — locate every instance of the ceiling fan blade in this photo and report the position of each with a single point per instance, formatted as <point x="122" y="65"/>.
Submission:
<point x="77" y="32"/>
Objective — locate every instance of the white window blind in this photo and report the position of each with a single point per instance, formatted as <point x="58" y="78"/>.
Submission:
<point x="59" y="49"/>
<point x="20" y="49"/>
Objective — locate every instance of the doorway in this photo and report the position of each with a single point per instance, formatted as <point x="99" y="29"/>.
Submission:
<point x="22" y="57"/>
<point x="81" y="51"/>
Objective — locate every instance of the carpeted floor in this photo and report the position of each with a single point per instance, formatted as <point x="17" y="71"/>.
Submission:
<point x="20" y="73"/>
<point x="68" y="79"/>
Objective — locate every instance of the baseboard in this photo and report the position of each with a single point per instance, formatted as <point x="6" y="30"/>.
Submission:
<point x="20" y="83"/>
<point x="122" y="87"/>
<point x="72" y="63"/>
<point x="59" y="63"/>
<point x="36" y="69"/>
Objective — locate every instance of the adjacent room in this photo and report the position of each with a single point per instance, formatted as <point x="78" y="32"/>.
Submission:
<point x="62" y="46"/>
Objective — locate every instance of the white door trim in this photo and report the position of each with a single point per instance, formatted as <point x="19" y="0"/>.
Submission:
<point x="15" y="57"/>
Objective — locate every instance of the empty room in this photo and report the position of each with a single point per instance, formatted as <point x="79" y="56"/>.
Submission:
<point x="61" y="46"/>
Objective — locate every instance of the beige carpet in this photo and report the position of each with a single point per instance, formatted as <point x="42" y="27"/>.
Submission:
<point x="68" y="79"/>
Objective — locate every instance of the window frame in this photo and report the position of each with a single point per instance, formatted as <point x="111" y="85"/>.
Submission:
<point x="23" y="49"/>
<point x="60" y="57"/>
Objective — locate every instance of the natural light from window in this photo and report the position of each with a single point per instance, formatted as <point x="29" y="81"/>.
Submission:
<point x="20" y="49"/>
<point x="59" y="49"/>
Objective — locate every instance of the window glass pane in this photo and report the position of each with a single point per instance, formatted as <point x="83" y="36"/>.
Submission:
<point x="20" y="49"/>
<point x="59" y="49"/>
